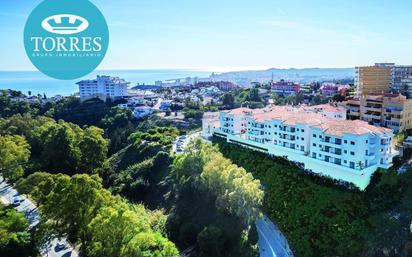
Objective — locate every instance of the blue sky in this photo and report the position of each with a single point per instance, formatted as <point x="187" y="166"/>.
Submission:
<point x="235" y="35"/>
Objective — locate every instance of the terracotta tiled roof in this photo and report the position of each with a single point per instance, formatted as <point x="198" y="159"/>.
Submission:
<point x="305" y="115"/>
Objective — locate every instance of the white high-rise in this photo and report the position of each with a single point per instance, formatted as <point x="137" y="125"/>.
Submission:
<point x="103" y="87"/>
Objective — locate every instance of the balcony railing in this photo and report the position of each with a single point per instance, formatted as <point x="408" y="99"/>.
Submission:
<point x="331" y="141"/>
<point x="292" y="130"/>
<point x="330" y="150"/>
<point x="287" y="137"/>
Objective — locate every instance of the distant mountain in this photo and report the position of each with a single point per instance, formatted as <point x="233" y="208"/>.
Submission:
<point x="296" y="75"/>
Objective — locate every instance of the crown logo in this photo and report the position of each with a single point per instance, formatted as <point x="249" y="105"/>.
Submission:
<point x="65" y="24"/>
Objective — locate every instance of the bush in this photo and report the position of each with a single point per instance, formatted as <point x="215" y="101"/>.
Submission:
<point x="211" y="241"/>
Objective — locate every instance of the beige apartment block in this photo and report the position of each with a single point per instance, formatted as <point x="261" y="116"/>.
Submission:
<point x="374" y="79"/>
<point x="387" y="110"/>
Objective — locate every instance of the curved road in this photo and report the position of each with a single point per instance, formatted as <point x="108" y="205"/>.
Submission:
<point x="271" y="242"/>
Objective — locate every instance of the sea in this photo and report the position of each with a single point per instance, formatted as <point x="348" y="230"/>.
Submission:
<point x="38" y="83"/>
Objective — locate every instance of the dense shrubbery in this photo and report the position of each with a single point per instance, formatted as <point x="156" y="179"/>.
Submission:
<point x="305" y="211"/>
<point x="321" y="219"/>
<point x="160" y="135"/>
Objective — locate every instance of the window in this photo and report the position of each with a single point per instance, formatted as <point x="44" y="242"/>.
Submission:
<point x="345" y="161"/>
<point x="352" y="142"/>
<point x="345" y="151"/>
<point x="352" y="153"/>
<point x="314" y="144"/>
<point x="302" y="130"/>
<point x="345" y="141"/>
<point x="314" y="135"/>
<point x="352" y="165"/>
<point x="302" y="138"/>
<point x="367" y="141"/>
<point x="313" y="155"/>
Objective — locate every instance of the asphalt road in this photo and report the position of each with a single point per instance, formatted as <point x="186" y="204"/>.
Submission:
<point x="271" y="242"/>
<point x="56" y="247"/>
<point x="182" y="141"/>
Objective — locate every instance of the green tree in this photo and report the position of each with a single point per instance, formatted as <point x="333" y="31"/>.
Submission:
<point x="150" y="245"/>
<point x="211" y="241"/>
<point x="15" y="239"/>
<point x="121" y="231"/>
<point x="59" y="147"/>
<point x="228" y="100"/>
<point x="236" y="191"/>
<point x="254" y="95"/>
<point x="93" y="147"/>
<point x="14" y="154"/>
<point x="338" y="98"/>
<point x="112" y="228"/>
<point x="78" y="198"/>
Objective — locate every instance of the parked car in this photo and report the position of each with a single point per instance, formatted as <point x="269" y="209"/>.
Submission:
<point x="17" y="201"/>
<point x="60" y="247"/>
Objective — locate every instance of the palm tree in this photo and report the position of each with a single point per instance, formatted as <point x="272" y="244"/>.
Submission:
<point x="360" y="165"/>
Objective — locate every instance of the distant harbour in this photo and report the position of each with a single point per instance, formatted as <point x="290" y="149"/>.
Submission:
<point x="38" y="83"/>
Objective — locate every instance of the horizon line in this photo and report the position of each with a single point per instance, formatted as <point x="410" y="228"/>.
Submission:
<point x="210" y="69"/>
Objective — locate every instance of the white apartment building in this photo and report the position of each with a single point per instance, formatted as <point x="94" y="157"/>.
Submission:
<point x="103" y="87"/>
<point x="341" y="149"/>
<point x="210" y="122"/>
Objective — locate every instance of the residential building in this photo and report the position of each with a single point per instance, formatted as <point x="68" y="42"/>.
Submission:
<point x="330" y="110"/>
<point x="374" y="79"/>
<point x="103" y="87"/>
<point x="136" y="101"/>
<point x="393" y="111"/>
<point x="402" y="80"/>
<point x="142" y="111"/>
<point x="210" y="122"/>
<point x="345" y="150"/>
<point x="352" y="108"/>
<point x="331" y="89"/>
<point x="285" y="88"/>
<point x="165" y="105"/>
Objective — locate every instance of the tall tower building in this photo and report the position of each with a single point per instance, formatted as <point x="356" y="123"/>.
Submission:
<point x="374" y="79"/>
<point x="402" y="80"/>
